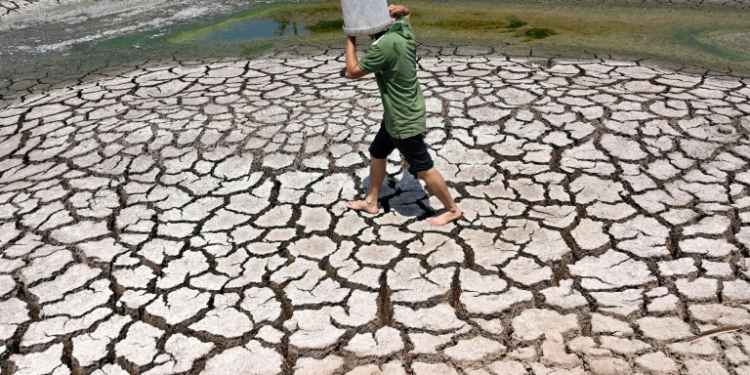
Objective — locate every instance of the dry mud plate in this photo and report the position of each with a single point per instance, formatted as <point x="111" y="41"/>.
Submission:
<point x="190" y="220"/>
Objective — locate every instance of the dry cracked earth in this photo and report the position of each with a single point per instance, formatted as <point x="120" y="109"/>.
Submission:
<point x="191" y="220"/>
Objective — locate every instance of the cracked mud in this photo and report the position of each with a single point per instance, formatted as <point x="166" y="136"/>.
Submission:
<point x="190" y="220"/>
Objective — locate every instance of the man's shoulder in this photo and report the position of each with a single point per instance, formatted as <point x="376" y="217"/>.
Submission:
<point x="389" y="36"/>
<point x="392" y="38"/>
<point x="385" y="44"/>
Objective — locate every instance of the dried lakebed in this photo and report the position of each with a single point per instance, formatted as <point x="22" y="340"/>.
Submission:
<point x="187" y="219"/>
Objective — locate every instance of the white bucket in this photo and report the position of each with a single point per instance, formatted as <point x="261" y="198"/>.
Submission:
<point x="365" y="17"/>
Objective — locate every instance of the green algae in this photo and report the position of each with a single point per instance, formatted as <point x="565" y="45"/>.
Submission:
<point x="463" y="25"/>
<point x="327" y="26"/>
<point x="539" y="32"/>
<point x="470" y="22"/>
<point x="514" y="22"/>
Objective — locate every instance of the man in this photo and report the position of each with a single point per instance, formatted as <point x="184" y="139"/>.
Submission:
<point x="393" y="59"/>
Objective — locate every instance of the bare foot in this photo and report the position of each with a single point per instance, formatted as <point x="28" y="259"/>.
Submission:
<point x="444" y="217"/>
<point x="370" y="208"/>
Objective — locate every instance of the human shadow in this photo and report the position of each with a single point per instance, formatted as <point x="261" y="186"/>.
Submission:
<point x="405" y="195"/>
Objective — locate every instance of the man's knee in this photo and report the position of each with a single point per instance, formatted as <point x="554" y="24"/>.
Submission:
<point x="423" y="173"/>
<point x="379" y="151"/>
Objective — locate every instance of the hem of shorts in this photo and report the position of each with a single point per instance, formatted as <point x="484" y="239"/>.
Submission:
<point x="422" y="170"/>
<point x="406" y="135"/>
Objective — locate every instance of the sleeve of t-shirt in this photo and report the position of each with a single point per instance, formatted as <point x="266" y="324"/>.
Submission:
<point x="374" y="60"/>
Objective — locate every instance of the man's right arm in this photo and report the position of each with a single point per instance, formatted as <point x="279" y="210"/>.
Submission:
<point x="353" y="71"/>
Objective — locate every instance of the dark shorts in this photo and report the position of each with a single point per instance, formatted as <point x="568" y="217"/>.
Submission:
<point x="413" y="149"/>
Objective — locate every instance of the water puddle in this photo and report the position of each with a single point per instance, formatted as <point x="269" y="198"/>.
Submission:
<point x="254" y="29"/>
<point x="267" y="22"/>
<point x="730" y="44"/>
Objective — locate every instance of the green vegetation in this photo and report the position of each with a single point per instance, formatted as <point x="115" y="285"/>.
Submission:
<point x="326" y="26"/>
<point x="514" y="23"/>
<point x="464" y="25"/>
<point x="539" y="32"/>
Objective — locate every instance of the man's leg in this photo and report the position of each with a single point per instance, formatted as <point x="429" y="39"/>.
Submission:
<point x="380" y="148"/>
<point x="377" y="175"/>
<point x="437" y="187"/>
<point x="415" y="151"/>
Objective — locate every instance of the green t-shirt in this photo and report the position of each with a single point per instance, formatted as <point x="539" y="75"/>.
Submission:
<point x="393" y="59"/>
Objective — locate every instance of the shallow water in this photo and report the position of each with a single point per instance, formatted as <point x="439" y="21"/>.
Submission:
<point x="732" y="44"/>
<point x="255" y="29"/>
